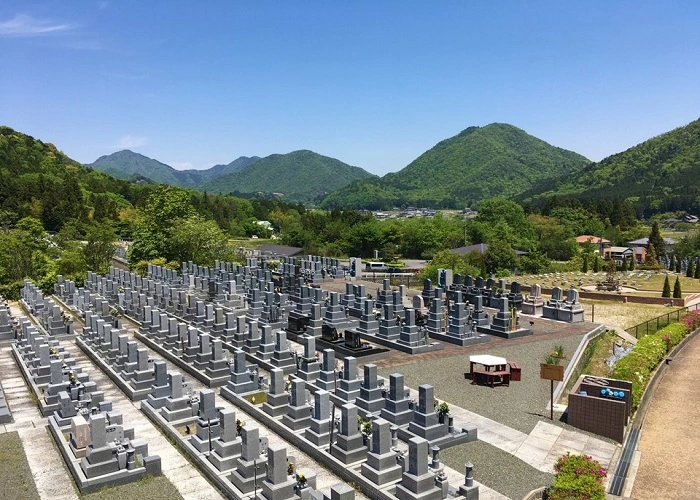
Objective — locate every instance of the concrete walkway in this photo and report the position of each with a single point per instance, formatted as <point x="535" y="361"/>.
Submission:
<point x="50" y="474"/>
<point x="542" y="447"/>
<point x="670" y="440"/>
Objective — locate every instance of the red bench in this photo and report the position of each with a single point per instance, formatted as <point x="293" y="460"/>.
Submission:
<point x="515" y="372"/>
<point x="502" y="376"/>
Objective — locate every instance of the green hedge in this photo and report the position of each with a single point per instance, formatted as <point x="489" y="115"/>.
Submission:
<point x="641" y="362"/>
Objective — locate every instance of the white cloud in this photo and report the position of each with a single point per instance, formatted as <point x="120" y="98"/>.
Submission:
<point x="182" y="165"/>
<point x="24" y="25"/>
<point x="129" y="142"/>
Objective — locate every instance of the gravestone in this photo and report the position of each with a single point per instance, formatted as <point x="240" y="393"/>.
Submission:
<point x="208" y="424"/>
<point x="176" y="404"/>
<point x="242" y="380"/>
<point x="397" y="408"/>
<point x="309" y="368"/>
<point x="277" y="397"/>
<point x="227" y="447"/>
<point x="349" y="446"/>
<point x="298" y="415"/>
<point x="417" y="482"/>
<point x="277" y="485"/>
<point x="244" y="475"/>
<point x="349" y="387"/>
<point x="326" y="379"/>
<point x="381" y="467"/>
<point x="319" y="430"/>
<point x="425" y="422"/>
<point x="370" y="399"/>
<point x="160" y="389"/>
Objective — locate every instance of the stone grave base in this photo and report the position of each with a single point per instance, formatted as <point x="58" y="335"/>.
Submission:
<point x="433" y="346"/>
<point x="514" y="334"/>
<point x="463" y="341"/>
<point x="152" y="466"/>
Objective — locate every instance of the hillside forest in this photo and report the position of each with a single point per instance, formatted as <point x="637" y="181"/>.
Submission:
<point x="60" y="217"/>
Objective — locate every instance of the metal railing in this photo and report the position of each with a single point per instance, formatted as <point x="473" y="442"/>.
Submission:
<point x="656" y="324"/>
<point x="396" y="279"/>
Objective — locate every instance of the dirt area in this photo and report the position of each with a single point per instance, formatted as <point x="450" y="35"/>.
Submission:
<point x="670" y="442"/>
<point x="621" y="315"/>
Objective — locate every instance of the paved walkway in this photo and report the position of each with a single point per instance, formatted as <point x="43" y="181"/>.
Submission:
<point x="50" y="474"/>
<point x="670" y="444"/>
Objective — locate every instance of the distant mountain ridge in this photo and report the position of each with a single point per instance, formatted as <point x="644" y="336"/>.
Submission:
<point x="476" y="164"/>
<point x="299" y="176"/>
<point x="129" y="165"/>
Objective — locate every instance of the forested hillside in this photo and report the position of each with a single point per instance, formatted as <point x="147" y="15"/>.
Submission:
<point x="661" y="174"/>
<point x="476" y="164"/>
<point x="296" y="176"/>
<point x="131" y="166"/>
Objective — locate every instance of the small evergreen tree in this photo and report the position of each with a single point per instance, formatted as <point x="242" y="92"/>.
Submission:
<point x="584" y="268"/>
<point x="678" y="265"/>
<point x="596" y="264"/>
<point x="656" y="240"/>
<point x="623" y="267"/>
<point x="631" y="266"/>
<point x="697" y="271"/>
<point x="672" y="262"/>
<point x="690" y="272"/>
<point x="666" y="293"/>
<point x="651" y="261"/>
<point x="677" y="294"/>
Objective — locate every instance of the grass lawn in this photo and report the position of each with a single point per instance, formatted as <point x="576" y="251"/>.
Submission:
<point x="153" y="488"/>
<point x="16" y="479"/>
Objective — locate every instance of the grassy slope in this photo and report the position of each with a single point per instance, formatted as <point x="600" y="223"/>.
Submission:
<point x="16" y="479"/>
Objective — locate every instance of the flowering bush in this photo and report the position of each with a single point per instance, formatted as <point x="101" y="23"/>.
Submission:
<point x="692" y="320"/>
<point x="577" y="477"/>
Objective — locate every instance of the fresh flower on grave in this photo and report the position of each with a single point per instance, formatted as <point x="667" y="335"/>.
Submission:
<point x="301" y="479"/>
<point x="290" y="468"/>
<point x="443" y="408"/>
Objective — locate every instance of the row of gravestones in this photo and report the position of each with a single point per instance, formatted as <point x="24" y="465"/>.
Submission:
<point x="46" y="311"/>
<point x="7" y="322"/>
<point x="107" y="451"/>
<point x="7" y="332"/>
<point x="296" y="413"/>
<point x="243" y="379"/>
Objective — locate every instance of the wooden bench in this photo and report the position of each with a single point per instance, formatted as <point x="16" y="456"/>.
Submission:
<point x="515" y="371"/>
<point x="502" y="376"/>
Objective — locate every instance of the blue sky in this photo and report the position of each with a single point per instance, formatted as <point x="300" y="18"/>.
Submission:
<point x="372" y="83"/>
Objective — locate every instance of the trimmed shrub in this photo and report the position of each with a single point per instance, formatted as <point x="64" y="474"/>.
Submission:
<point x="666" y="292"/>
<point x="677" y="293"/>
<point x="640" y="363"/>
<point x="692" y="320"/>
<point x="577" y="477"/>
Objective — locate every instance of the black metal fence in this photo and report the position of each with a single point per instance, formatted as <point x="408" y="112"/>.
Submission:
<point x="656" y="324"/>
<point x="396" y="279"/>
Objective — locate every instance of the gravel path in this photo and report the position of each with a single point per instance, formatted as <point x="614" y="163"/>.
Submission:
<point x="519" y="406"/>
<point x="496" y="468"/>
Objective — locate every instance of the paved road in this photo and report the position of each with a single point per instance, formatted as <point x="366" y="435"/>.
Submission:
<point x="670" y="442"/>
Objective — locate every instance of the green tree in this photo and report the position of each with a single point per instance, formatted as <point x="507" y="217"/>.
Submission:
<point x="666" y="292"/>
<point x="584" y="267"/>
<point x="697" y="271"/>
<point x="678" y="265"/>
<point x="656" y="240"/>
<point x="623" y="267"/>
<point x="677" y="294"/>
<point x="196" y="239"/>
<point x="596" y="264"/>
<point x="631" y="264"/>
<point x="499" y="256"/>
<point x="690" y="271"/>
<point x="99" y="247"/>
<point x="672" y="262"/>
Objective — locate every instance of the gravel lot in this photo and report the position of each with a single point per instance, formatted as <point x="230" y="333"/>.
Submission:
<point x="519" y="406"/>
<point x="497" y="469"/>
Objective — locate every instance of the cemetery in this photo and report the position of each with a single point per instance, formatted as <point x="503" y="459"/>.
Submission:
<point x="302" y="363"/>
